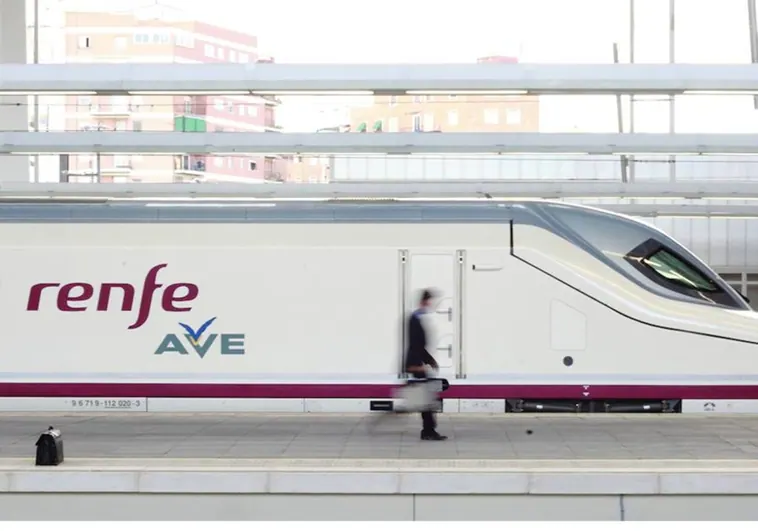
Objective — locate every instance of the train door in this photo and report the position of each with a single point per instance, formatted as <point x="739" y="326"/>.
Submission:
<point x="440" y="271"/>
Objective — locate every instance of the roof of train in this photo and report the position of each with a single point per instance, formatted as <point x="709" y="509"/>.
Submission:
<point x="277" y="211"/>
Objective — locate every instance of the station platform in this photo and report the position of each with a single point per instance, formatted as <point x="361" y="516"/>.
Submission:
<point x="346" y="467"/>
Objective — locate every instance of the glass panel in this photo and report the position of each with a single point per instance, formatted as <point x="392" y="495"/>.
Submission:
<point x="652" y="258"/>
<point x="736" y="286"/>
<point x="752" y="294"/>
<point x="677" y="270"/>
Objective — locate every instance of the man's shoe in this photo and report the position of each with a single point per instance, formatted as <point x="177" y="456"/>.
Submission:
<point x="433" y="436"/>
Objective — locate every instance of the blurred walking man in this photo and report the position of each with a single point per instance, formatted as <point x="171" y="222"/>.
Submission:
<point x="416" y="359"/>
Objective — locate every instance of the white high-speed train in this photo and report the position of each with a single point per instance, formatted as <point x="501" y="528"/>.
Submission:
<point x="299" y="305"/>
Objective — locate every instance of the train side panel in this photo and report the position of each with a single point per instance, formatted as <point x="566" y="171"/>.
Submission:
<point x="559" y="302"/>
<point x="222" y="303"/>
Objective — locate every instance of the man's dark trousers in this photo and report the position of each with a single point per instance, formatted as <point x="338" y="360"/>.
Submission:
<point x="428" y="419"/>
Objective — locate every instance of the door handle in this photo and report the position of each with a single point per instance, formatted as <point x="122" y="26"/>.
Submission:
<point x="449" y="349"/>
<point x="449" y="313"/>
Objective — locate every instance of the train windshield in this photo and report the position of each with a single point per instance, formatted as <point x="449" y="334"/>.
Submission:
<point x="676" y="270"/>
<point x="655" y="261"/>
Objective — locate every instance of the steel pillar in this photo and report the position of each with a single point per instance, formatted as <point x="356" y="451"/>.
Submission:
<point x="14" y="110"/>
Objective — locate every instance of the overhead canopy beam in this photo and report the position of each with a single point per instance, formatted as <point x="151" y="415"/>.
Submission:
<point x="682" y="211"/>
<point x="79" y="210"/>
<point x="282" y="79"/>
<point x="433" y="190"/>
<point x="377" y="143"/>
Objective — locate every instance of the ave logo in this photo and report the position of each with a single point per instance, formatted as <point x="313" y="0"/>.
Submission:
<point x="200" y="343"/>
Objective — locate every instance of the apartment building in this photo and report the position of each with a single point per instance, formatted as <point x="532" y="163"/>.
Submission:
<point x="449" y="113"/>
<point x="144" y="36"/>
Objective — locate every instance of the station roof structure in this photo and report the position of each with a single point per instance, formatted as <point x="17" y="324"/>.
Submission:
<point x="376" y="143"/>
<point x="393" y="79"/>
<point x="746" y="191"/>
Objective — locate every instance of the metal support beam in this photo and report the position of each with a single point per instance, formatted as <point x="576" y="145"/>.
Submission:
<point x="753" y="37"/>
<point x="385" y="143"/>
<point x="516" y="189"/>
<point x="632" y="45"/>
<point x="35" y="58"/>
<point x="620" y="119"/>
<point x="271" y="78"/>
<point x="672" y="97"/>
<point x="148" y="210"/>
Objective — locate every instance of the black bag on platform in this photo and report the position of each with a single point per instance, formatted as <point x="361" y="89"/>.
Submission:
<point x="50" y="448"/>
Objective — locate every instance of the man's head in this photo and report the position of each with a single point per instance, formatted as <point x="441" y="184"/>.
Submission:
<point x="426" y="298"/>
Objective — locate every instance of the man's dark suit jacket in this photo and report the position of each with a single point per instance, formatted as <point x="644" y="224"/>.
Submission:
<point x="416" y="354"/>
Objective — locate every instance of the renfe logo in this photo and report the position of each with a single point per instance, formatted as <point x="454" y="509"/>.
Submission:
<point x="229" y="344"/>
<point x="74" y="296"/>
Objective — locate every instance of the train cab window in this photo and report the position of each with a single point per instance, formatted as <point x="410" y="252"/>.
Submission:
<point x="673" y="272"/>
<point x="676" y="270"/>
<point x="645" y="254"/>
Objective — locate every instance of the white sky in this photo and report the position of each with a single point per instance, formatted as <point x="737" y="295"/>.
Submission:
<point x="545" y="31"/>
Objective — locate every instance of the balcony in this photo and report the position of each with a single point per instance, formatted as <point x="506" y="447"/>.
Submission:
<point x="194" y="167"/>
<point x="118" y="169"/>
<point x="273" y="177"/>
<point x="272" y="101"/>
<point x="190" y="124"/>
<point x="111" y="111"/>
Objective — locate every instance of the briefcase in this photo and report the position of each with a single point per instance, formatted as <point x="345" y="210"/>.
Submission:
<point x="419" y="395"/>
<point x="50" y="448"/>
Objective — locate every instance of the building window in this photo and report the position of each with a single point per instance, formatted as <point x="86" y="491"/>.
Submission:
<point x="393" y="101"/>
<point x="416" y="99"/>
<point x="513" y="116"/>
<point x="452" y="118"/>
<point x="252" y="110"/>
<point x="161" y="38"/>
<point x="184" y="40"/>
<point x="491" y="116"/>
<point x="83" y="102"/>
<point x="209" y="50"/>
<point x="120" y="103"/>
<point x="83" y="42"/>
<point x="392" y="125"/>
<point x="141" y="38"/>
<point x="119" y="43"/>
<point x="220" y="53"/>
<point x="252" y="165"/>
<point x="218" y="162"/>
<point x="429" y="122"/>
<point x="232" y="56"/>
<point x="218" y="104"/>
<point x="244" y="58"/>
<point x="241" y="110"/>
<point x="417" y="125"/>
<point x="136" y="125"/>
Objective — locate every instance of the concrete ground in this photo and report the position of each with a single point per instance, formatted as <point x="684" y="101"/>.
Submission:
<point x="332" y="436"/>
